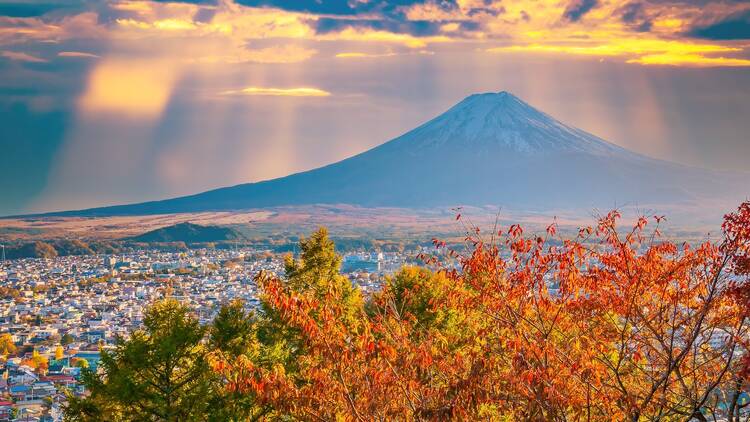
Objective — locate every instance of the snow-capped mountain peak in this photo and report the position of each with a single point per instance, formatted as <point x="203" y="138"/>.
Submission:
<point x="491" y="121"/>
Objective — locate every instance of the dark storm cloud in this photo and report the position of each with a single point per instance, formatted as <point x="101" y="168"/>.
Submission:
<point x="199" y="2"/>
<point x="329" y="7"/>
<point x="577" y="8"/>
<point x="634" y="15"/>
<point x="344" y="7"/>
<point x="733" y="27"/>
<point x="699" y="3"/>
<point x="388" y="15"/>
<point x="415" y="28"/>
<point x="485" y="11"/>
<point x="469" y="26"/>
<point x="204" y="14"/>
<point x="333" y="7"/>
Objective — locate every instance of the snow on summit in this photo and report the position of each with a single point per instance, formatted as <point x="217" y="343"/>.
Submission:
<point x="492" y="120"/>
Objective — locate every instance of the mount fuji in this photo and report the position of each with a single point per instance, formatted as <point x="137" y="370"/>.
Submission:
<point x="489" y="149"/>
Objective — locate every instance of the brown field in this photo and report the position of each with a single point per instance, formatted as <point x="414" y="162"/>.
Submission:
<point x="342" y="220"/>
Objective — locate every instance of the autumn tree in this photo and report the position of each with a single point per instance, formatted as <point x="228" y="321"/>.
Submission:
<point x="37" y="362"/>
<point x="611" y="324"/>
<point x="80" y="363"/>
<point x="7" y="346"/>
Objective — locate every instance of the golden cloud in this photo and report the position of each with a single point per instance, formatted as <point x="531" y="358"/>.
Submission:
<point x="279" y="92"/>
<point x="696" y="60"/>
<point x="641" y="51"/>
<point x="533" y="26"/>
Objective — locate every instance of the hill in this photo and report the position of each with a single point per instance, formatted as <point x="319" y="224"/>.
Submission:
<point x="489" y="149"/>
<point x="188" y="233"/>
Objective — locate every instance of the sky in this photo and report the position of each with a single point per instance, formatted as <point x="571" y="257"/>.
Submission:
<point x="109" y="102"/>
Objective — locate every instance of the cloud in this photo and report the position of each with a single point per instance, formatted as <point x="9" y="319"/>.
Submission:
<point x="239" y="31"/>
<point x="21" y="57"/>
<point x="415" y="28"/>
<point x="333" y="7"/>
<point x="577" y="8"/>
<point x="642" y="51"/>
<point x="733" y="27"/>
<point x="34" y="29"/>
<point x="77" y="54"/>
<point x="634" y="15"/>
<point x="201" y="2"/>
<point x="696" y="60"/>
<point x="454" y="11"/>
<point x="346" y="7"/>
<point x="279" y="92"/>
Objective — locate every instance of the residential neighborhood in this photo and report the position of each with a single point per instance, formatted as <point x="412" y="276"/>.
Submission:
<point x="57" y="315"/>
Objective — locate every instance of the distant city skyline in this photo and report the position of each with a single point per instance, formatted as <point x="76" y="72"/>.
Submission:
<point x="124" y="101"/>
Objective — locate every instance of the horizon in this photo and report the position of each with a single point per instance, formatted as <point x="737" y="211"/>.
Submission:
<point x="128" y="101"/>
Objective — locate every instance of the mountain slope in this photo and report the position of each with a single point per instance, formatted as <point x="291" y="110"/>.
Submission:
<point x="489" y="149"/>
<point x="188" y="232"/>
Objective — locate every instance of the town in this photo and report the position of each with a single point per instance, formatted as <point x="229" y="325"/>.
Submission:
<point x="58" y="314"/>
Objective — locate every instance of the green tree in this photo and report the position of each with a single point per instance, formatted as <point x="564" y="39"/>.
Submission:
<point x="66" y="339"/>
<point x="161" y="373"/>
<point x="231" y="335"/>
<point x="232" y="330"/>
<point x="318" y="272"/>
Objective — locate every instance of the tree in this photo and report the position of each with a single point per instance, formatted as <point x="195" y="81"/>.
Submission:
<point x="59" y="353"/>
<point x="66" y="339"/>
<point x="318" y="271"/>
<point x="80" y="363"/>
<point x="232" y="330"/>
<point x="37" y="362"/>
<point x="161" y="373"/>
<point x="611" y="324"/>
<point x="232" y="335"/>
<point x="7" y="346"/>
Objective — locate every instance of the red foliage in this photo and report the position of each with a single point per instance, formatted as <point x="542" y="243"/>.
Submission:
<point x="609" y="325"/>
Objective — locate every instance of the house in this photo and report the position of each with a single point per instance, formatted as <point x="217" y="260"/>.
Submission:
<point x="6" y="410"/>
